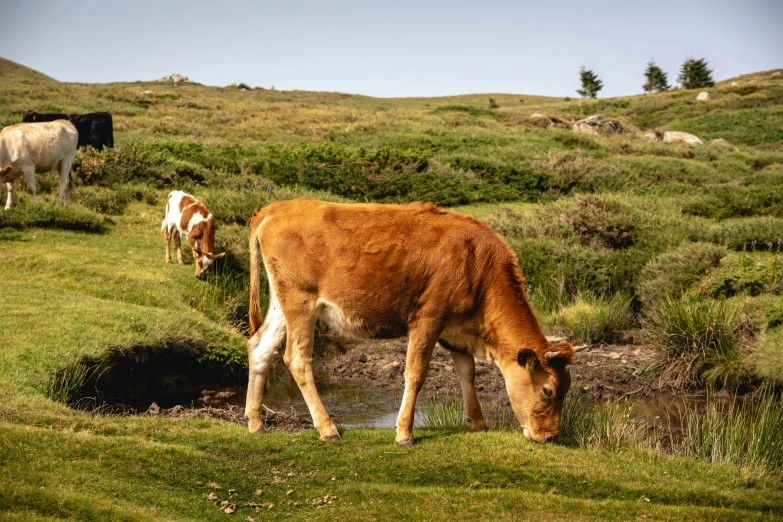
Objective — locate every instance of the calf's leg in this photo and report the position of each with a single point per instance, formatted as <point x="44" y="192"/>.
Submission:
<point x="300" y="315"/>
<point x="167" y="240"/>
<point x="64" y="168"/>
<point x="465" y="367"/>
<point x="10" y="199"/>
<point x="421" y="342"/>
<point x="260" y="349"/>
<point x="178" y="245"/>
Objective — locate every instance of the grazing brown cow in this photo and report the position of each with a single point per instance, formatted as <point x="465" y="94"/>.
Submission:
<point x="186" y="215"/>
<point x="381" y="271"/>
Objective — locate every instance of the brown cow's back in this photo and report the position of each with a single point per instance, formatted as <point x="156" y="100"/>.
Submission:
<point x="379" y="263"/>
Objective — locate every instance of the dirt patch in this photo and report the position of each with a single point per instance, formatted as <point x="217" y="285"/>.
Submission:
<point x="600" y="372"/>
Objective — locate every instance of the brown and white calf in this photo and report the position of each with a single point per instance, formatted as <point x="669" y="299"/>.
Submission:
<point x="383" y="271"/>
<point x="30" y="148"/>
<point x="187" y="216"/>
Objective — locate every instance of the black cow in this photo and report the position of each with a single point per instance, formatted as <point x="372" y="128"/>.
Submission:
<point x="95" y="129"/>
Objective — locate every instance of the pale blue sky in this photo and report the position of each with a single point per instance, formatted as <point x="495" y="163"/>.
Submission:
<point x="399" y="48"/>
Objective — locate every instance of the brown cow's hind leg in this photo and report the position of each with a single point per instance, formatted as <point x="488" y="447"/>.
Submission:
<point x="465" y="367"/>
<point x="261" y="348"/>
<point x="299" y="357"/>
<point x="421" y="342"/>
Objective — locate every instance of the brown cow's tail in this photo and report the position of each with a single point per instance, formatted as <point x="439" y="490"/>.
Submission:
<point x="254" y="311"/>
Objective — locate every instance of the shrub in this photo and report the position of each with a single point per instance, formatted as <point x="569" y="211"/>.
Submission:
<point x="473" y="111"/>
<point x="692" y="337"/>
<point x="774" y="315"/>
<point x="758" y="233"/>
<point x="744" y="275"/>
<point x="51" y="215"/>
<point x="724" y="202"/>
<point x="672" y="273"/>
<point x="100" y="199"/>
<point x="595" y="320"/>
<point x="766" y="359"/>
<point x="602" y="222"/>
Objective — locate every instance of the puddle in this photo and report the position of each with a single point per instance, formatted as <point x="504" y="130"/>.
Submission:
<point x="350" y="406"/>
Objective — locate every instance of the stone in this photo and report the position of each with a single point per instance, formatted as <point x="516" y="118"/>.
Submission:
<point x="704" y="96"/>
<point x="776" y="73"/>
<point x="734" y="84"/>
<point x="595" y="124"/>
<point x="651" y="136"/>
<point x="146" y="93"/>
<point x="681" y="137"/>
<point x="175" y="78"/>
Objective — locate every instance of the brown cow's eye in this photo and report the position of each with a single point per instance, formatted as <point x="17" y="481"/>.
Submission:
<point x="547" y="392"/>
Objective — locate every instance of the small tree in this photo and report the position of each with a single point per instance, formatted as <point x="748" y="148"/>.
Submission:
<point x="590" y="83"/>
<point x="657" y="80"/>
<point x="695" y="74"/>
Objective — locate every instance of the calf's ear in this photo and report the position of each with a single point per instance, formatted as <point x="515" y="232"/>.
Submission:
<point x="216" y="256"/>
<point x="8" y="174"/>
<point x="527" y="358"/>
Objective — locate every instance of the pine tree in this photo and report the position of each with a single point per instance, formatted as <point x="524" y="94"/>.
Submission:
<point x="657" y="80"/>
<point x="590" y="83"/>
<point x="695" y="74"/>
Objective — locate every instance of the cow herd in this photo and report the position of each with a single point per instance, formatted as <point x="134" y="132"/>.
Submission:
<point x="365" y="270"/>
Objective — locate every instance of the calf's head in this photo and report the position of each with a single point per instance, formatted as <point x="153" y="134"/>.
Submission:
<point x="537" y="383"/>
<point x="204" y="260"/>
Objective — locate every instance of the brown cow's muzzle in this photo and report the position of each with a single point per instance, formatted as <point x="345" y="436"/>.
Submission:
<point x="539" y="437"/>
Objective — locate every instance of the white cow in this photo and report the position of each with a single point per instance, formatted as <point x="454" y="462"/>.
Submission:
<point x="28" y="148"/>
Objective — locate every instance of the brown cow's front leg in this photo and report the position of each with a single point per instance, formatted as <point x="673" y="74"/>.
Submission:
<point x="417" y="362"/>
<point x="299" y="357"/>
<point x="465" y="366"/>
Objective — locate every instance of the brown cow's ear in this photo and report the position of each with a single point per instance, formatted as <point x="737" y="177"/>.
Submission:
<point x="216" y="256"/>
<point x="527" y="358"/>
<point x="561" y="352"/>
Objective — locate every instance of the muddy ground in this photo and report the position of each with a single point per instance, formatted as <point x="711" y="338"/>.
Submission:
<point x="600" y="371"/>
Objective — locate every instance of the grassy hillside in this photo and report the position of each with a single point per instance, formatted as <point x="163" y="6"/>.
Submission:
<point x="620" y="239"/>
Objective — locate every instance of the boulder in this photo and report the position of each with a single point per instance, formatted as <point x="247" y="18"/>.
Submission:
<point x="776" y="73"/>
<point x="596" y="124"/>
<point x="651" y="136"/>
<point x="681" y="137"/>
<point x="704" y="96"/>
<point x="146" y="93"/>
<point x="175" y="78"/>
<point x="734" y="84"/>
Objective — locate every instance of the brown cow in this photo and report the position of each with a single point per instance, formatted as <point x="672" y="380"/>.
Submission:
<point x="381" y="271"/>
<point x="189" y="217"/>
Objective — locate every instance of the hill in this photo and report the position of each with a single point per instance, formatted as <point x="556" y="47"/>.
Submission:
<point x="14" y="72"/>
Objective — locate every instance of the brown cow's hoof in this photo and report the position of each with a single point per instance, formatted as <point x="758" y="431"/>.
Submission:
<point x="332" y="438"/>
<point x="406" y="443"/>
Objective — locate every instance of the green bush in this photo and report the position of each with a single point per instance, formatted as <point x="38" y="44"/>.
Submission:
<point x="473" y="111"/>
<point x="758" y="233"/>
<point x="50" y="215"/>
<point x="100" y="199"/>
<point x="672" y="273"/>
<point x="744" y="276"/>
<point x="774" y="315"/>
<point x="602" y="222"/>
<point x="722" y="202"/>
<point x="595" y="320"/>
<point x="697" y="341"/>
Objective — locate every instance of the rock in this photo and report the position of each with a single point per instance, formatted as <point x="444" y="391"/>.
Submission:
<point x="146" y="93"/>
<point x="596" y="124"/>
<point x="722" y="144"/>
<point x="651" y="136"/>
<point x="704" y="96"/>
<point x="734" y="84"/>
<point x="681" y="137"/>
<point x="776" y="73"/>
<point x="154" y="409"/>
<point x="175" y="78"/>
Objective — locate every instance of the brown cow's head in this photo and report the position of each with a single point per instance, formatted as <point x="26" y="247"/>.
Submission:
<point x="204" y="260"/>
<point x="29" y="116"/>
<point x="537" y="384"/>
